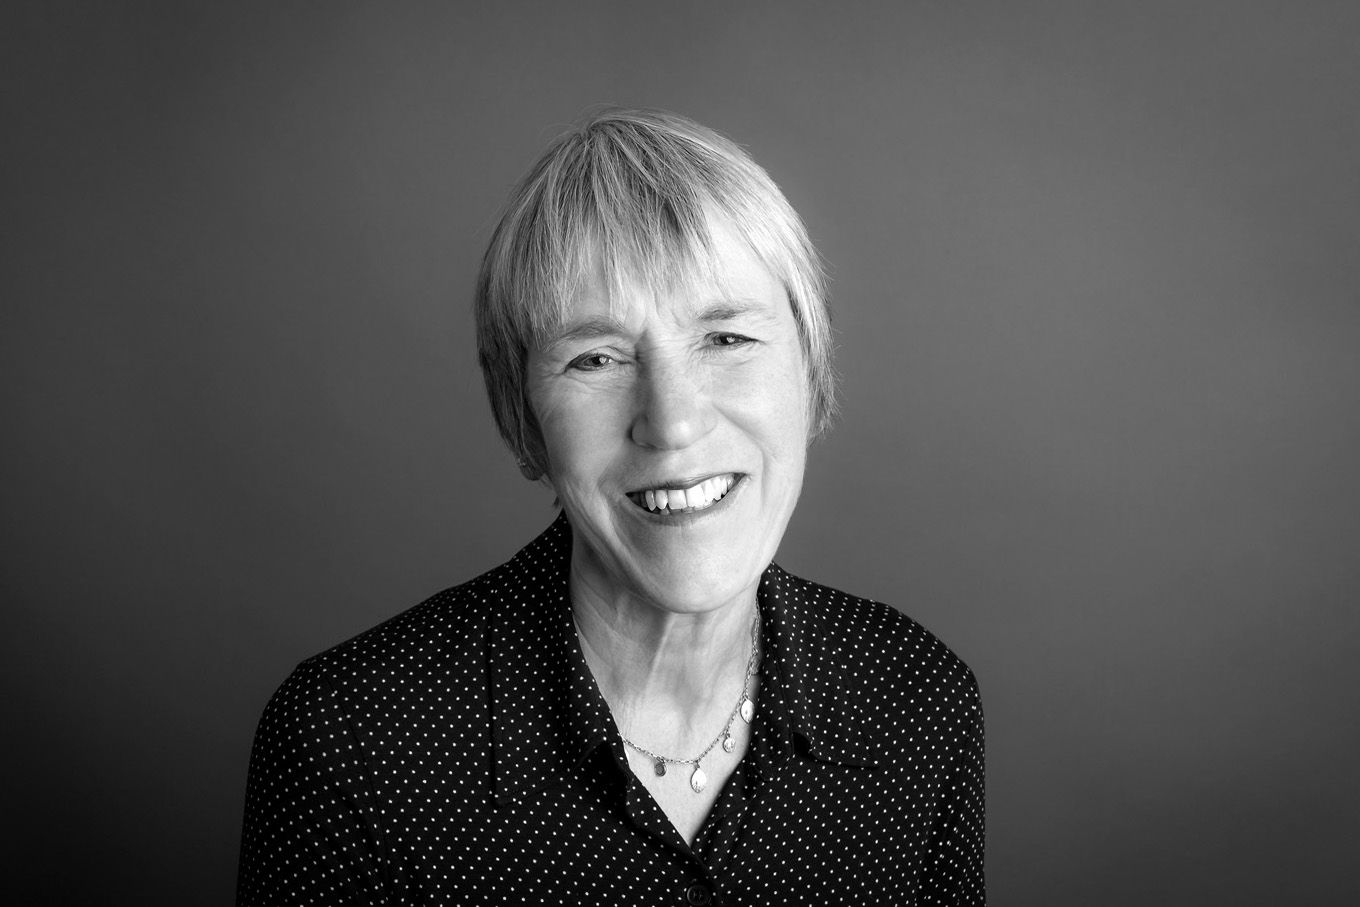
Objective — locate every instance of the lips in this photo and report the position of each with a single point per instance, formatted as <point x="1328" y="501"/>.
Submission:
<point x="685" y="499"/>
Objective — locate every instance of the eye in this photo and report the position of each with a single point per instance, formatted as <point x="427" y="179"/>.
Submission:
<point x="590" y="362"/>
<point x="730" y="340"/>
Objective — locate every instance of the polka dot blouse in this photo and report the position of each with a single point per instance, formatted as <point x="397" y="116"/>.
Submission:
<point x="460" y="753"/>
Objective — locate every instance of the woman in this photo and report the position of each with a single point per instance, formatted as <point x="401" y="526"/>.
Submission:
<point x="640" y="707"/>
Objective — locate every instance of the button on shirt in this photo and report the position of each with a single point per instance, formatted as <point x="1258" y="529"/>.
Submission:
<point x="462" y="753"/>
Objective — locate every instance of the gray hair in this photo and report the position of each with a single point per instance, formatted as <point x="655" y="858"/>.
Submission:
<point x="634" y="191"/>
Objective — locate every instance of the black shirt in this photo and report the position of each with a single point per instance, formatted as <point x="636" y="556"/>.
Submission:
<point x="462" y="753"/>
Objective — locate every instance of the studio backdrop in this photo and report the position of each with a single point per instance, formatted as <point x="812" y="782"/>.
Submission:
<point x="1094" y="272"/>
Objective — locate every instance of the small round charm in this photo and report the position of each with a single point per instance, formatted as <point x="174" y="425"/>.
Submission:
<point x="729" y="744"/>
<point x="698" y="780"/>
<point x="660" y="767"/>
<point x="748" y="711"/>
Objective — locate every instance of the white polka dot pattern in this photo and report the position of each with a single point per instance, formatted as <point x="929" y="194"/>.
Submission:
<point x="461" y="753"/>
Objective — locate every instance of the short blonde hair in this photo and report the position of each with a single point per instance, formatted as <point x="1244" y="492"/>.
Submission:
<point x="633" y="190"/>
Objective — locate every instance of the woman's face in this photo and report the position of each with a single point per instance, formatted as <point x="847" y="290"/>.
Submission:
<point x="676" y="430"/>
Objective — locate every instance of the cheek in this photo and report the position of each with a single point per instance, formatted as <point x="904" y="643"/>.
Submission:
<point x="788" y="408"/>
<point x="552" y="423"/>
<point x="574" y="431"/>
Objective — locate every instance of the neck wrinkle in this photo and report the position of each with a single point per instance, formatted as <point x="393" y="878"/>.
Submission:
<point x="661" y="672"/>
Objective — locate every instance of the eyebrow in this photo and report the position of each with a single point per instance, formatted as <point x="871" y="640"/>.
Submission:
<point x="731" y="309"/>
<point x="587" y="330"/>
<point x="603" y="326"/>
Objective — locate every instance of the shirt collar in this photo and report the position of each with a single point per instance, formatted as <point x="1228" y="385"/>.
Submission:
<point x="547" y="714"/>
<point x="806" y="684"/>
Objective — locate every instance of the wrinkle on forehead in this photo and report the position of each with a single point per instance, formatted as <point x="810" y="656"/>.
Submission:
<point x="613" y="323"/>
<point x="645" y="267"/>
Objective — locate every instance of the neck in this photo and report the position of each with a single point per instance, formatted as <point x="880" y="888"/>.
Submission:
<point x="664" y="674"/>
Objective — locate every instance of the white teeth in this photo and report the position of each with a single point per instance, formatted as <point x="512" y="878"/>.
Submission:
<point x="679" y="500"/>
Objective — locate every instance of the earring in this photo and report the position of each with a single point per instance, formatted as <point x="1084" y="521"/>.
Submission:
<point x="527" y="470"/>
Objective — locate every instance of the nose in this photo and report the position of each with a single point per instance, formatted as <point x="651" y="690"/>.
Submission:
<point x="673" y="406"/>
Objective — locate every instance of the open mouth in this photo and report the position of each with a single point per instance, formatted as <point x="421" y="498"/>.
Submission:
<point x="699" y="496"/>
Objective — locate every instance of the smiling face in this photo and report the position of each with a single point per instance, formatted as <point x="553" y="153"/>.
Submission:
<point x="676" y="428"/>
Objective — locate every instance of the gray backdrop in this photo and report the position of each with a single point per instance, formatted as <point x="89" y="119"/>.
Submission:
<point x="1095" y="283"/>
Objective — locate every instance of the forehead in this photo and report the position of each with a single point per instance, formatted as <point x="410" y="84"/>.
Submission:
<point x="726" y="281"/>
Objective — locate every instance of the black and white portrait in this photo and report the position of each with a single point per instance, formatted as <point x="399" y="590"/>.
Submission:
<point x="753" y="453"/>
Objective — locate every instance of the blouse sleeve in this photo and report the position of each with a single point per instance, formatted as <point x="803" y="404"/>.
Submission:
<point x="308" y="835"/>
<point x="954" y="862"/>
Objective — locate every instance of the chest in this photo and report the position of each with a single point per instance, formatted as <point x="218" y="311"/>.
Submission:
<point x="814" y="834"/>
<point x="675" y="790"/>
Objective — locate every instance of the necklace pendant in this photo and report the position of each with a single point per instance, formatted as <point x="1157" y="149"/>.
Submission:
<point x="698" y="780"/>
<point x="728" y="743"/>
<point x="748" y="711"/>
<point x="659" y="767"/>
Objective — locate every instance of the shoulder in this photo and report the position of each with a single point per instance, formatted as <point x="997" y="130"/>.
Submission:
<point x="438" y="652"/>
<point x="443" y="629"/>
<point x="866" y="638"/>
<point x="439" y="649"/>
<point x="868" y="671"/>
<point x="445" y="637"/>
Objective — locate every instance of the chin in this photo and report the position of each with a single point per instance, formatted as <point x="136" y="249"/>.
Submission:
<point x="705" y="584"/>
<point x="697" y="600"/>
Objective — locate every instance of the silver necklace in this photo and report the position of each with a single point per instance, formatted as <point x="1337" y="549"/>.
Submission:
<point x="744" y="707"/>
